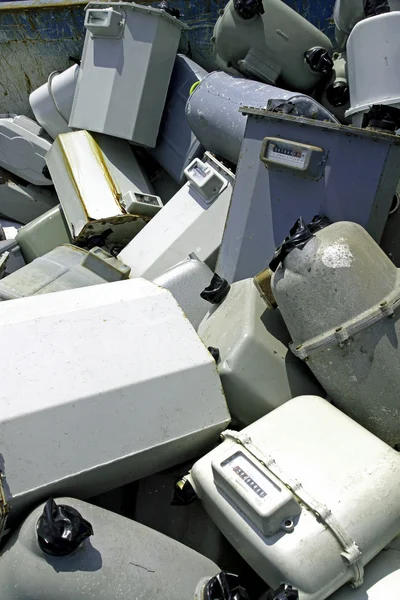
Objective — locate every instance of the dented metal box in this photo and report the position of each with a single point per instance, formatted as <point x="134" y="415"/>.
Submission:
<point x="116" y="385"/>
<point x="192" y="221"/>
<point x="127" y="61"/>
<point x="64" y="268"/>
<point x="99" y="181"/>
<point x="306" y="495"/>
<point x="293" y="167"/>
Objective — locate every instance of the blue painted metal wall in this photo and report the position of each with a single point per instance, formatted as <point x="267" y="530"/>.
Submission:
<point x="319" y="12"/>
<point x="38" y="37"/>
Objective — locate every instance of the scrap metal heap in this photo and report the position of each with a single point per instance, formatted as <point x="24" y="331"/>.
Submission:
<point x="200" y="312"/>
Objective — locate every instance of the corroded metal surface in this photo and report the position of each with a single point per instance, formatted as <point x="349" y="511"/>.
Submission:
<point x="38" y="37"/>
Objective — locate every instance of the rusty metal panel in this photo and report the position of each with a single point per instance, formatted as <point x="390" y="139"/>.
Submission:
<point x="38" y="37"/>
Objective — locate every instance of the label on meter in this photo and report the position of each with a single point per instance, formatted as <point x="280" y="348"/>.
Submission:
<point x="306" y="160"/>
<point x="241" y="468"/>
<point x="284" y="155"/>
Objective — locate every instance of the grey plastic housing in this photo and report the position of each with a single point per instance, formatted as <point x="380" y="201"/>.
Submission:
<point x="382" y="577"/>
<point x="268" y="46"/>
<point x="127" y="62"/>
<point x="116" y="385"/>
<point x="64" y="268"/>
<point x="43" y="234"/>
<point x="176" y="145"/>
<point x="10" y="252"/>
<point x="23" y="203"/>
<point x="23" y="148"/>
<point x="258" y="372"/>
<point x="291" y="167"/>
<point x="188" y="524"/>
<point x="186" y="281"/>
<point x="339" y="297"/>
<point x="192" y="221"/>
<point x="212" y="110"/>
<point x="309" y="472"/>
<point x="121" y="557"/>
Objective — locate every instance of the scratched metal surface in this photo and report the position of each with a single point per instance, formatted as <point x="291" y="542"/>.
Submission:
<point x="38" y="37"/>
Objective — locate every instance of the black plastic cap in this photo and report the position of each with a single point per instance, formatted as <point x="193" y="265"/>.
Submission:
<point x="247" y="9"/>
<point x="319" y="60"/>
<point x="61" y="529"/>
<point x="216" y="291"/>
<point x="184" y="493"/>
<point x="171" y="10"/>
<point x="284" y="592"/>
<point x="299" y="236"/>
<point x="46" y="172"/>
<point x="284" y="108"/>
<point x="372" y="8"/>
<point x="225" y="586"/>
<point x="214" y="353"/>
<point x="383" y="118"/>
<point x="338" y="94"/>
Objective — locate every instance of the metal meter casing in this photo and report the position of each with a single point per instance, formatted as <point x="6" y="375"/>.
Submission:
<point x="344" y="173"/>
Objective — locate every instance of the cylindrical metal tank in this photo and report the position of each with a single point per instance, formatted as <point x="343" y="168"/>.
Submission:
<point x="269" y="40"/>
<point x="70" y="549"/>
<point x="213" y="110"/>
<point x="339" y="295"/>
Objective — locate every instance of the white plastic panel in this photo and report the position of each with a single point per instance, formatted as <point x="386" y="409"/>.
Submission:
<point x="192" y="221"/>
<point x="51" y="103"/>
<point x="378" y="62"/>
<point x="116" y="385"/>
<point x="346" y="480"/>
<point x="23" y="203"/>
<point x="66" y="267"/>
<point x="22" y="149"/>
<point x="126" y="66"/>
